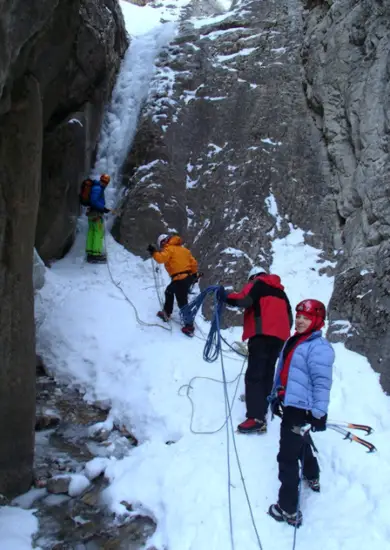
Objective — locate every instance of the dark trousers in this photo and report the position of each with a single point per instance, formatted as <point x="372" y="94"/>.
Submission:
<point x="294" y="448"/>
<point x="263" y="352"/>
<point x="178" y="289"/>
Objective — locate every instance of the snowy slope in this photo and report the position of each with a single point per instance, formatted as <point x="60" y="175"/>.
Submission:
<point x="89" y="337"/>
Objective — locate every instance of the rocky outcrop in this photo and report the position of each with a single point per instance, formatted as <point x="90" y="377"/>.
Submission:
<point x="281" y="102"/>
<point x="226" y="133"/>
<point x="74" y="99"/>
<point x="58" y="62"/>
<point x="346" y="57"/>
<point x="20" y="138"/>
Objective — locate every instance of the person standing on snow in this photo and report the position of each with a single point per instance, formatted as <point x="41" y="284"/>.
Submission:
<point x="267" y="324"/>
<point x="300" y="396"/>
<point x="97" y="209"/>
<point x="182" y="268"/>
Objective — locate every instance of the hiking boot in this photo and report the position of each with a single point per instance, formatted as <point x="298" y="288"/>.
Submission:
<point x="278" y="514"/>
<point x="188" y="330"/>
<point x="163" y="316"/>
<point x="96" y="258"/>
<point x="252" y="425"/>
<point x="314" y="484"/>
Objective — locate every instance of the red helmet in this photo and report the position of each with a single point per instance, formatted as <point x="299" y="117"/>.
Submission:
<point x="312" y="308"/>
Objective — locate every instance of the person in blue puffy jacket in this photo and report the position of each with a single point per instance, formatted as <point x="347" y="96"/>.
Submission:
<point x="95" y="237"/>
<point x="300" y="396"/>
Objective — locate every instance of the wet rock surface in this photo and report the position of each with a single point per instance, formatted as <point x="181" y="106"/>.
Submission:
<point x="345" y="55"/>
<point x="272" y="118"/>
<point x="227" y="153"/>
<point x="67" y="494"/>
<point x="58" y="65"/>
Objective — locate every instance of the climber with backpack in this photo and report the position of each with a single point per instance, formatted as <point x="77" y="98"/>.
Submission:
<point x="300" y="396"/>
<point x="183" y="270"/>
<point x="92" y="196"/>
<point x="267" y="324"/>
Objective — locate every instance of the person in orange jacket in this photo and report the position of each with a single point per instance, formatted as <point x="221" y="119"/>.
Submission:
<point x="183" y="270"/>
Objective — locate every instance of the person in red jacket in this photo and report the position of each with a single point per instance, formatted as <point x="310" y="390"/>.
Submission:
<point x="267" y="323"/>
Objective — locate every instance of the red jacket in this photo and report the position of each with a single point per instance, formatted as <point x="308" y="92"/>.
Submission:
<point x="267" y="309"/>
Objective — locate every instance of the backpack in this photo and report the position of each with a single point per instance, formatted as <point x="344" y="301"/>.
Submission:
<point x="85" y="192"/>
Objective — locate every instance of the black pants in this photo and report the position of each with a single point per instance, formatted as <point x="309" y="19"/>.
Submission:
<point x="178" y="289"/>
<point x="294" y="448"/>
<point x="263" y="352"/>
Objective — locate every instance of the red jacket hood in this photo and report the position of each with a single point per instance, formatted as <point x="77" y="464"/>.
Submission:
<point x="272" y="280"/>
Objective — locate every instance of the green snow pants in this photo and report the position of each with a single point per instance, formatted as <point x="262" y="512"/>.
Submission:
<point x="95" y="237"/>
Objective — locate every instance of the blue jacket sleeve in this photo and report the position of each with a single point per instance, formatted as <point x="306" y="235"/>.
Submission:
<point x="97" y="199"/>
<point x="320" y="363"/>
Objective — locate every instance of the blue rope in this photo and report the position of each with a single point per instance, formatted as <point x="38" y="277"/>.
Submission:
<point x="213" y="346"/>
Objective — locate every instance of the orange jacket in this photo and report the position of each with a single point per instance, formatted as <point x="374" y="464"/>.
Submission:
<point x="178" y="261"/>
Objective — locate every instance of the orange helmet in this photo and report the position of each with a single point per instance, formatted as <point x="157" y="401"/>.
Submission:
<point x="105" y="178"/>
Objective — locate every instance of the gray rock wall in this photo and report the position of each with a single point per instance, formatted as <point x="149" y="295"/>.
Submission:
<point x="302" y="114"/>
<point x="58" y="62"/>
<point x="232" y="133"/>
<point x="346" y="55"/>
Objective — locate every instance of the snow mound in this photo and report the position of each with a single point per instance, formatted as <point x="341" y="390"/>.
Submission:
<point x="89" y="336"/>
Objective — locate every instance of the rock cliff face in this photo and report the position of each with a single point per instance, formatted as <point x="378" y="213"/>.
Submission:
<point x="226" y="135"/>
<point x="58" y="62"/>
<point x="346" y="56"/>
<point x="282" y="102"/>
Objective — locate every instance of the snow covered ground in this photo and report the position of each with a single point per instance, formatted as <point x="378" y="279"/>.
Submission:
<point x="17" y="526"/>
<point x="89" y="336"/>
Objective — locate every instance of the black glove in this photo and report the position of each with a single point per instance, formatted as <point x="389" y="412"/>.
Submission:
<point x="276" y="407"/>
<point x="151" y="249"/>
<point x="222" y="294"/>
<point x="318" y="424"/>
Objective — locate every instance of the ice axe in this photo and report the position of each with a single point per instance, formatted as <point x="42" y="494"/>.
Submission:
<point x="341" y="427"/>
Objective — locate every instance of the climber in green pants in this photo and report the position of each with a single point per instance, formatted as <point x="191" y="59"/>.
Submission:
<point x="95" y="237"/>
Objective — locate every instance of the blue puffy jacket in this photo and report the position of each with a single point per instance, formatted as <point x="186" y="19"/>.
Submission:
<point x="96" y="199"/>
<point x="309" y="377"/>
